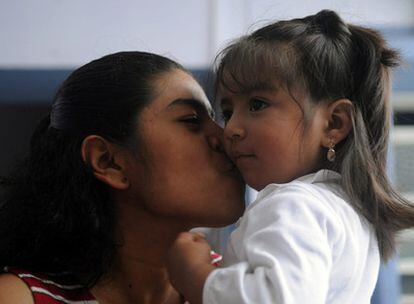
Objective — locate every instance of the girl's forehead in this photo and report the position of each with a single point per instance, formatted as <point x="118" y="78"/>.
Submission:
<point x="249" y="77"/>
<point x="234" y="86"/>
<point x="250" y="66"/>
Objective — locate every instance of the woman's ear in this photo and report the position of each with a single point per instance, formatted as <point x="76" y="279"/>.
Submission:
<point x="339" y="121"/>
<point x="106" y="161"/>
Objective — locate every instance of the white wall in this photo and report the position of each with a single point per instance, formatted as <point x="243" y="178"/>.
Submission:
<point x="395" y="13"/>
<point x="58" y="33"/>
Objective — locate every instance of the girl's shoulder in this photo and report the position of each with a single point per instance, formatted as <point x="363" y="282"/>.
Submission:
<point x="38" y="288"/>
<point x="323" y="187"/>
<point x="316" y="196"/>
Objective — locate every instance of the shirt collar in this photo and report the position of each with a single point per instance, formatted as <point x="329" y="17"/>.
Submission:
<point x="322" y="176"/>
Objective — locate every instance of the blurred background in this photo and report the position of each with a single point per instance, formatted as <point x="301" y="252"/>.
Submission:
<point x="42" y="41"/>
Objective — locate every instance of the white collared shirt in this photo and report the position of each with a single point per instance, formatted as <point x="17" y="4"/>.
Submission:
<point x="299" y="242"/>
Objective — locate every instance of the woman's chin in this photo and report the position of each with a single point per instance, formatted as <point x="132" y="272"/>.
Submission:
<point x="229" y="217"/>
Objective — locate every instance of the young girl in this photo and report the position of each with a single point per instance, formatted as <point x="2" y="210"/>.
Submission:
<point x="307" y="115"/>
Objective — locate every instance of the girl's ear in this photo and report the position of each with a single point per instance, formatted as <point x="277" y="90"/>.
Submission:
<point x="106" y="161"/>
<point x="339" y="121"/>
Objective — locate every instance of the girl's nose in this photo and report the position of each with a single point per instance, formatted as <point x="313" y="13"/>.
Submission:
<point x="234" y="130"/>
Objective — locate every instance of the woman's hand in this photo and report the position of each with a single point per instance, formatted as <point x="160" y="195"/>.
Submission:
<point x="189" y="264"/>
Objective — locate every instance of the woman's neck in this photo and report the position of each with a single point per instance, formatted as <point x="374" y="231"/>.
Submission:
<point x="136" y="283"/>
<point x="139" y="275"/>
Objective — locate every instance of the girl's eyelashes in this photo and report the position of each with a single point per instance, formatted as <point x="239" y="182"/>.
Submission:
<point x="256" y="105"/>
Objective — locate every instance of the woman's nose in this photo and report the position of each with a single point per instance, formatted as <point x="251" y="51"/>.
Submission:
<point x="215" y="138"/>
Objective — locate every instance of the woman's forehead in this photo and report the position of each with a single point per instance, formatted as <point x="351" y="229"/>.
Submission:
<point x="179" y="85"/>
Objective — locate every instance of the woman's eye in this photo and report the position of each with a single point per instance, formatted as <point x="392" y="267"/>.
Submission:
<point x="192" y="119"/>
<point x="257" y="105"/>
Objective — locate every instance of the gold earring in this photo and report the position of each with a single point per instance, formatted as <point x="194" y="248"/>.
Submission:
<point x="331" y="152"/>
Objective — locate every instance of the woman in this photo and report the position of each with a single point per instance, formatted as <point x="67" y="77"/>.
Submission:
<point x="128" y="158"/>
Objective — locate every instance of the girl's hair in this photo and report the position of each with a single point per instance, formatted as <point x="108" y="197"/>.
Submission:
<point x="328" y="59"/>
<point x="55" y="216"/>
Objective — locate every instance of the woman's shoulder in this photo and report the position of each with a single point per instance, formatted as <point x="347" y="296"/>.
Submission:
<point x="29" y="287"/>
<point x="14" y="290"/>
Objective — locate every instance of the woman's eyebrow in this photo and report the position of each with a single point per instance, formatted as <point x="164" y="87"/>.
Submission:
<point x="196" y="104"/>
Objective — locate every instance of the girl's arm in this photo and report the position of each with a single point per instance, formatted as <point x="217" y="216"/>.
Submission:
<point x="283" y="252"/>
<point x="189" y="264"/>
<point x="284" y="255"/>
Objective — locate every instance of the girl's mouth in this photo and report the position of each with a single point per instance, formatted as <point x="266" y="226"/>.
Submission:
<point x="241" y="157"/>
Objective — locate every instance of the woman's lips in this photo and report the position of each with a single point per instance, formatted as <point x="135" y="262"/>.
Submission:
<point x="228" y="164"/>
<point x="244" y="157"/>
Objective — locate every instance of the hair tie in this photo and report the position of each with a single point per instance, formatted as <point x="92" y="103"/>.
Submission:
<point x="329" y="24"/>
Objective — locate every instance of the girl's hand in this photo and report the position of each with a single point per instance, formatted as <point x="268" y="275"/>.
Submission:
<point x="189" y="264"/>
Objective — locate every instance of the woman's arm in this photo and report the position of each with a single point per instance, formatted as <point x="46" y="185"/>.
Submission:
<point x="13" y="290"/>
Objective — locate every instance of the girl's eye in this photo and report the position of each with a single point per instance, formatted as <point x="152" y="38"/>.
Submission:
<point x="226" y="115"/>
<point x="256" y="105"/>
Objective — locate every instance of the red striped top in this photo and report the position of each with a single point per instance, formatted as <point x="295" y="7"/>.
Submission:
<point x="54" y="289"/>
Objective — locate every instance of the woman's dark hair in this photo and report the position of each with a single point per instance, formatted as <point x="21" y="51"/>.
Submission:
<point x="55" y="216"/>
<point x="328" y="59"/>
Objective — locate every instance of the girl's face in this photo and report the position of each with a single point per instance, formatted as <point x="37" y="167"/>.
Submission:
<point x="182" y="171"/>
<point x="264" y="136"/>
